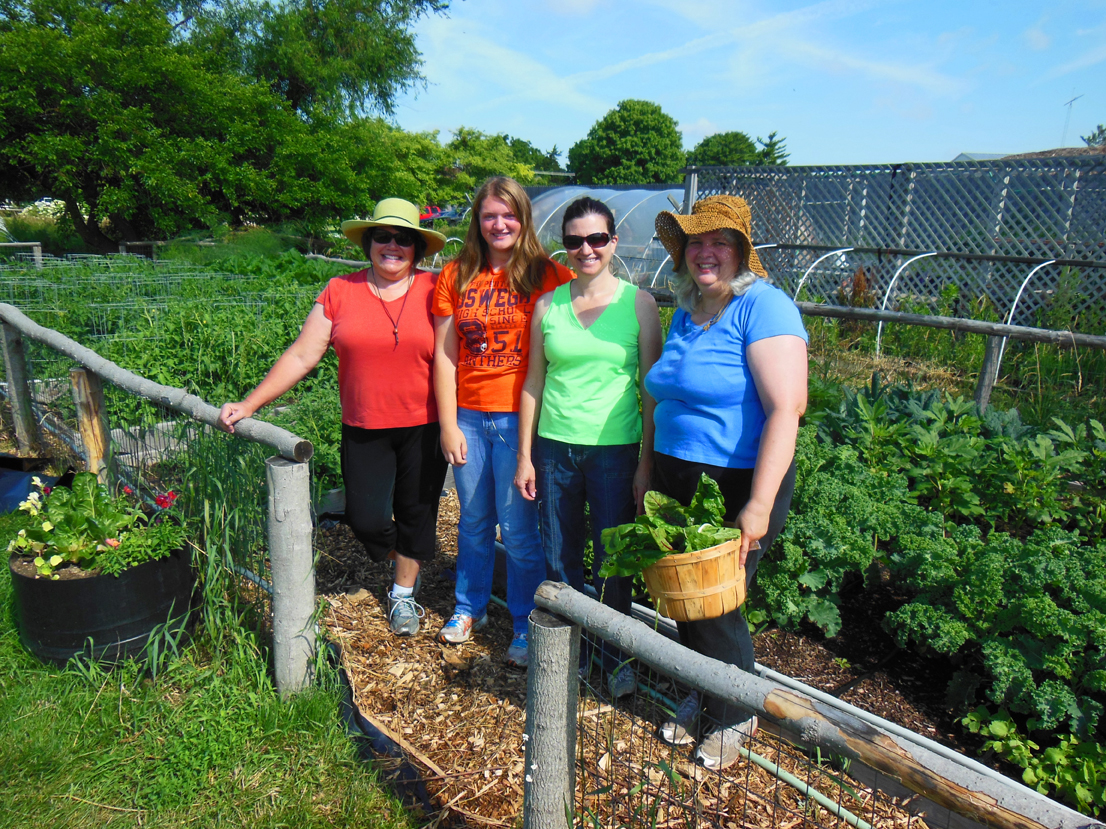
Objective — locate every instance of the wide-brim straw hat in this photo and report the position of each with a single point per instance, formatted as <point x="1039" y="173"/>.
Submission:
<point x="711" y="213"/>
<point x="394" y="213"/>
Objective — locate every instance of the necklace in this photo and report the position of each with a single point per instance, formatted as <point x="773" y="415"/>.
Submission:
<point x="717" y="316"/>
<point x="394" y="322"/>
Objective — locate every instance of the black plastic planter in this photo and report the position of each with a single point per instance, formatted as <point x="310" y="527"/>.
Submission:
<point x="109" y="618"/>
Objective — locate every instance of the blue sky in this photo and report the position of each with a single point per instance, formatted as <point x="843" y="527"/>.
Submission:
<point x="843" y="81"/>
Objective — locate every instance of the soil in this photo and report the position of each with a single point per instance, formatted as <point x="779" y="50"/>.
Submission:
<point x="458" y="712"/>
<point x="25" y="566"/>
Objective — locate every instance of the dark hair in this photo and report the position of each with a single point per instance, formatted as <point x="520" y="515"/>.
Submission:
<point x="420" y="241"/>
<point x="587" y="206"/>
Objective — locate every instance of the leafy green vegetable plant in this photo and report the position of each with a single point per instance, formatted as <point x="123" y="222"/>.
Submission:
<point x="667" y="527"/>
<point x="86" y="526"/>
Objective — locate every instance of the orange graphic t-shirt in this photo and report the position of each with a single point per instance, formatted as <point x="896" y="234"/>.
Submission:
<point x="493" y="326"/>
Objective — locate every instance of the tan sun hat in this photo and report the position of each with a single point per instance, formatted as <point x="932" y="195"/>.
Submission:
<point x="711" y="213"/>
<point x="394" y="213"/>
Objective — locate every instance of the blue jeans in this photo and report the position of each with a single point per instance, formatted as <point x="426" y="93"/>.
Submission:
<point x="568" y="475"/>
<point x="486" y="491"/>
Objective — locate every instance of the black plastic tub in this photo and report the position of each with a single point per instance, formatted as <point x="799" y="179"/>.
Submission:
<point x="109" y="618"/>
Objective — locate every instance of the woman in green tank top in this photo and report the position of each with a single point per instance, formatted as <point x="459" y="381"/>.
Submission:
<point x="592" y="342"/>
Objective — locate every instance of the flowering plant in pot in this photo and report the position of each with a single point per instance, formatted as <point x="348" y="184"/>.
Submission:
<point x="84" y="526"/>
<point x="96" y="573"/>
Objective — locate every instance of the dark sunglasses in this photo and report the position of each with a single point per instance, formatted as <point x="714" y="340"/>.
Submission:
<point x="594" y="240"/>
<point x="402" y="237"/>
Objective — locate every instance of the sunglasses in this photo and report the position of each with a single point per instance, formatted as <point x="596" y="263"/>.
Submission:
<point x="403" y="238"/>
<point x="594" y="240"/>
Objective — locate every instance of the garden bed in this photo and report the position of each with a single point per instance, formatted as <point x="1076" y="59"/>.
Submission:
<point x="459" y="712"/>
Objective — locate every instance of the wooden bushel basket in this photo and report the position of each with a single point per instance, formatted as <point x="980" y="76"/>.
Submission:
<point x="706" y="584"/>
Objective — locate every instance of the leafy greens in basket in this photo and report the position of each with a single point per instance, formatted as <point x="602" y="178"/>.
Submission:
<point x="667" y="527"/>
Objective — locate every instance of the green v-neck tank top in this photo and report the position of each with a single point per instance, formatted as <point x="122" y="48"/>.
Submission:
<point x="590" y="394"/>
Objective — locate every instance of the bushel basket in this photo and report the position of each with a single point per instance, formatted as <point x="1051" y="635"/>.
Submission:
<point x="706" y="584"/>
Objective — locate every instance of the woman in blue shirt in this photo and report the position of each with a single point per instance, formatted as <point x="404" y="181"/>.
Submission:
<point x="730" y="388"/>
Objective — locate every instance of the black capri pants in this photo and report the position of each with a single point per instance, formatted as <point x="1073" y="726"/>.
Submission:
<point x="393" y="480"/>
<point x="726" y="638"/>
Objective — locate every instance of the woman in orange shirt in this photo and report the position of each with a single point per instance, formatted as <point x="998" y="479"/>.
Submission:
<point x="378" y="321"/>
<point x="483" y="305"/>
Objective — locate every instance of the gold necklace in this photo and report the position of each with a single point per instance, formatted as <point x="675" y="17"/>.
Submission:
<point x="718" y="315"/>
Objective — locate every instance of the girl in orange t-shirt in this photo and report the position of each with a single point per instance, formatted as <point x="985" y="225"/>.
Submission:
<point x="379" y="323"/>
<point x="483" y="305"/>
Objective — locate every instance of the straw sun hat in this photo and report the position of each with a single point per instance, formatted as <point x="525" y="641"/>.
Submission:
<point x="711" y="213"/>
<point x="394" y="213"/>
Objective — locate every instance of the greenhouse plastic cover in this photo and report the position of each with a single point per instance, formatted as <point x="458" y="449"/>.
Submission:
<point x="640" y="254"/>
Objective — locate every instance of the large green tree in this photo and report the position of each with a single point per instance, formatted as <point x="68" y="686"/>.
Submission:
<point x="141" y="117"/>
<point x="634" y="143"/>
<point x="1096" y="138"/>
<point x="736" y="149"/>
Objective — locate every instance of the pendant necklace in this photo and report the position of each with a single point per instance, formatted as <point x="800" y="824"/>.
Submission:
<point x="394" y="322"/>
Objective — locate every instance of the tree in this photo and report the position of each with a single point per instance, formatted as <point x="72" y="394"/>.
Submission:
<point x="131" y="114"/>
<point x="338" y="56"/>
<point x="772" y="151"/>
<point x="526" y="153"/>
<point x="724" y="149"/>
<point x="634" y="143"/>
<point x="1096" y="138"/>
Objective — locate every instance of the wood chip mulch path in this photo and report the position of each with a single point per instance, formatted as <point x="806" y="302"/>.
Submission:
<point x="459" y="714"/>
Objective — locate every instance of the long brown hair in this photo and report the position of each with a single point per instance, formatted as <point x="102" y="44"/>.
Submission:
<point x="528" y="263"/>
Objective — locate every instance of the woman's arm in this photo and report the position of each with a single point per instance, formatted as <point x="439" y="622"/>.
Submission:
<point x="294" y="364"/>
<point x="779" y="368"/>
<point x="649" y="346"/>
<point x="446" y="356"/>
<point x="529" y="405"/>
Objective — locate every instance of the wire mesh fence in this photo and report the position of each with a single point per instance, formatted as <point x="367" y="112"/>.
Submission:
<point x="628" y="776"/>
<point x="813" y="761"/>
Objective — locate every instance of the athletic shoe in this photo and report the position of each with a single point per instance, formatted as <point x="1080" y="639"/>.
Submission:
<point x="516" y="655"/>
<point x="622" y="682"/>
<point x="720" y="749"/>
<point x="404" y="614"/>
<point x="459" y="628"/>
<point x="680" y="729"/>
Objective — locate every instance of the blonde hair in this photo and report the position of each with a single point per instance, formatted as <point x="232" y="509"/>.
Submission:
<point x="687" y="291"/>
<point x="529" y="262"/>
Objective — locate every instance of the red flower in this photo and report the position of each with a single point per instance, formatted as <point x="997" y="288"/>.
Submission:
<point x="163" y="501"/>
<point x="172" y="496"/>
<point x="46" y="490"/>
<point x="128" y="491"/>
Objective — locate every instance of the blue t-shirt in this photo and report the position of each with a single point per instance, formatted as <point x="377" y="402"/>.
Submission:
<point x="708" y="409"/>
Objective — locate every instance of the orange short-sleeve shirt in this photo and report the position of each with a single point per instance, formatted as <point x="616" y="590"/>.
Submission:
<point x="493" y="326"/>
<point x="384" y="381"/>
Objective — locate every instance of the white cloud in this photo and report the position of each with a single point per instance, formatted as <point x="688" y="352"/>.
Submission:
<point x="1035" y="36"/>
<point x="697" y="130"/>
<point x="1088" y="59"/>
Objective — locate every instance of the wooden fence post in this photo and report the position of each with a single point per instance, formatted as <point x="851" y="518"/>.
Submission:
<point x="988" y="373"/>
<point x="88" y="395"/>
<point x="292" y="562"/>
<point x="27" y="434"/>
<point x="552" y="690"/>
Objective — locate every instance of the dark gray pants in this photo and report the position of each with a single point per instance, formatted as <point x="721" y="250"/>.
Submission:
<point x="726" y="638"/>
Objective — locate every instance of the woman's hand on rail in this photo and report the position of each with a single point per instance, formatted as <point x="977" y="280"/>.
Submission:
<point x="454" y="446"/>
<point x="526" y="479"/>
<point x="231" y="413"/>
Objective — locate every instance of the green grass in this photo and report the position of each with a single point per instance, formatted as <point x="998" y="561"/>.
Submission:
<point x="208" y="743"/>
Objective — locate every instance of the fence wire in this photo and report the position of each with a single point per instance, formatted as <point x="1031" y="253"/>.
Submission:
<point x="626" y="776"/>
<point x="219" y="480"/>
